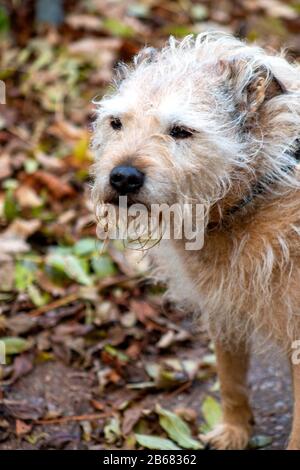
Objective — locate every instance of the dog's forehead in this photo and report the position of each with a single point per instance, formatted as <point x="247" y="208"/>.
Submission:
<point x="167" y="103"/>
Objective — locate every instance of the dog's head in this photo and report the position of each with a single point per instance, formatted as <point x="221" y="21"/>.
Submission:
<point x="185" y="122"/>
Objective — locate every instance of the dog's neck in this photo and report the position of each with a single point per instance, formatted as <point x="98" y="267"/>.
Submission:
<point x="222" y="213"/>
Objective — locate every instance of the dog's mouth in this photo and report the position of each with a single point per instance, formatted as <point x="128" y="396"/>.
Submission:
<point x="125" y="201"/>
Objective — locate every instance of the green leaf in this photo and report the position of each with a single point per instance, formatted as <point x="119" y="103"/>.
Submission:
<point x="24" y="274"/>
<point x="117" y="28"/>
<point x="81" y="150"/>
<point x="177" y="429"/>
<point x="61" y="250"/>
<point x="153" y="370"/>
<point x="155" y="442"/>
<point x="103" y="266"/>
<point x="31" y="165"/>
<point x="11" y="208"/>
<point x="112" y="431"/>
<point x="199" y="12"/>
<point x="85" y="246"/>
<point x="10" y="184"/>
<point x="178" y="30"/>
<point x="73" y="267"/>
<point x="259" y="441"/>
<point x="296" y="6"/>
<point x="15" y="345"/>
<point x="4" y="20"/>
<point x="138" y="10"/>
<point x="36" y="296"/>
<point x="44" y="58"/>
<point x="208" y="360"/>
<point x="215" y="387"/>
<point x="115" y="353"/>
<point x="212" y="412"/>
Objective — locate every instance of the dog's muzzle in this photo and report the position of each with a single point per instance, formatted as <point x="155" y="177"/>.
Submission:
<point x="126" y="179"/>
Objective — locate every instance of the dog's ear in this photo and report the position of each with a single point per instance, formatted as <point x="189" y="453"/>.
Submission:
<point x="251" y="85"/>
<point x="146" y="55"/>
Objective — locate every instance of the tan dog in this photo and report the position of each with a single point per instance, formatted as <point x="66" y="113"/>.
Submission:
<point x="216" y="122"/>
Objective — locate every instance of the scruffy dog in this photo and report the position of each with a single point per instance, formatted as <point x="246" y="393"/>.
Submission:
<point x="213" y="121"/>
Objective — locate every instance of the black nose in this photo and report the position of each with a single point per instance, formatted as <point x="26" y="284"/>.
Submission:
<point x="126" y="179"/>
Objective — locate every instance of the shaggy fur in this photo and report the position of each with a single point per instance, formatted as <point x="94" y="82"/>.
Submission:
<point x="242" y="106"/>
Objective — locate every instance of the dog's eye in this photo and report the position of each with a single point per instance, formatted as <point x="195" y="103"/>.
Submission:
<point x="179" y="132"/>
<point x="116" y="124"/>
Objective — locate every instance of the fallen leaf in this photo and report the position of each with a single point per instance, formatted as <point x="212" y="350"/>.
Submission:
<point x="31" y="408"/>
<point x="49" y="162"/>
<point x="188" y="414"/>
<point x="85" y="246"/>
<point x="112" y="430"/>
<point x="143" y="310"/>
<point x="172" y="337"/>
<point x="13" y="245"/>
<point x="99" y="406"/>
<point x="58" y="441"/>
<point x="94" y="45"/>
<point x="103" y="266"/>
<point x="212" y="412"/>
<point x="27" y="197"/>
<point x="22" y="366"/>
<point x="88" y="22"/>
<point x="56" y="186"/>
<point x="15" y="345"/>
<point x="177" y="429"/>
<point x="172" y="372"/>
<point x="259" y="441"/>
<point x="277" y="9"/>
<point x="5" y="167"/>
<point x="118" y="28"/>
<point x="71" y="266"/>
<point x="130" y="418"/>
<point x="155" y="442"/>
<point x="21" y="229"/>
<point x="7" y="273"/>
<point x="22" y="428"/>
<point x="20" y="324"/>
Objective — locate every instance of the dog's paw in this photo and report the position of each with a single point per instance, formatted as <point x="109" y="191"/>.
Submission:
<point x="227" y="437"/>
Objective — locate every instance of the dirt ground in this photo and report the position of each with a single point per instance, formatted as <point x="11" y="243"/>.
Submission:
<point x="63" y="388"/>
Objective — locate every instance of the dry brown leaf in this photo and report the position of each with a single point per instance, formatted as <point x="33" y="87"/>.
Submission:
<point x="58" y="188"/>
<point x="66" y="130"/>
<point x="13" y="245"/>
<point x="88" y="22"/>
<point x="21" y="229"/>
<point x="7" y="272"/>
<point x="277" y="9"/>
<point x="130" y="418"/>
<point x="188" y="414"/>
<point x="22" y="428"/>
<point x="143" y="310"/>
<point x="5" y="167"/>
<point x="49" y="162"/>
<point x="95" y="45"/>
<point x="172" y="337"/>
<point x="27" y="197"/>
<point x="32" y="408"/>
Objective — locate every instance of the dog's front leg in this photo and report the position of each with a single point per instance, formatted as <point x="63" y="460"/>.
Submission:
<point x="294" y="442"/>
<point x="235" y="430"/>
